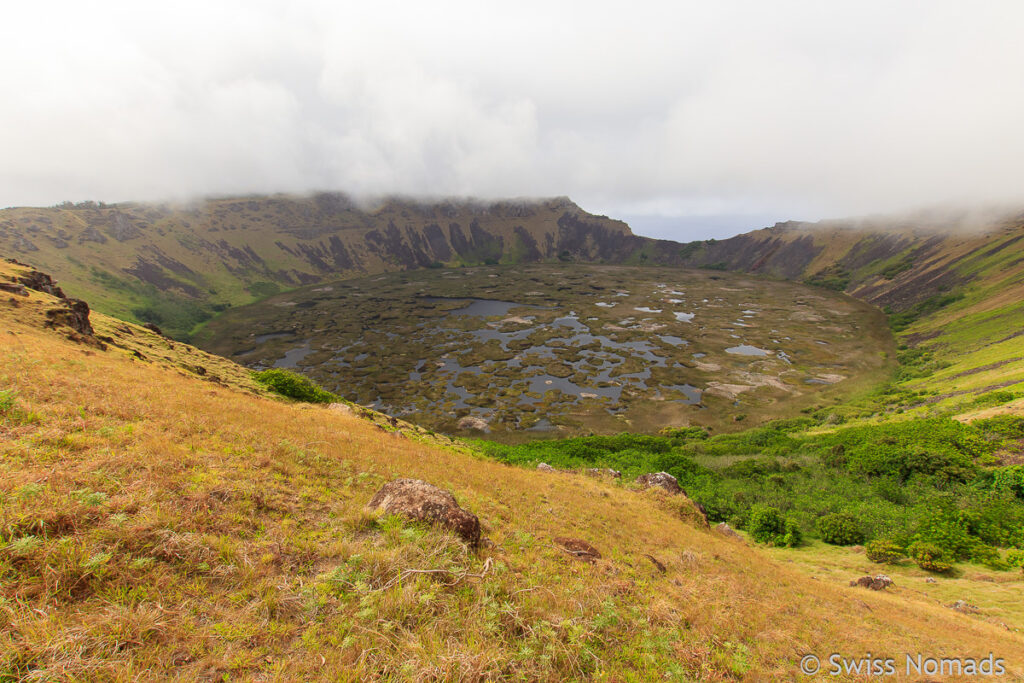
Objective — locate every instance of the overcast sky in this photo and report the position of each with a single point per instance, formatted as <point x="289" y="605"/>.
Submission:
<point x="718" y="113"/>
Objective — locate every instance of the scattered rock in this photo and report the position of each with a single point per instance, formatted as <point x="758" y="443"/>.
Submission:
<point x="602" y="472"/>
<point x="544" y="467"/>
<point x="930" y="580"/>
<point x="662" y="480"/>
<point x="578" y="548"/>
<point x="473" y="422"/>
<point x="727" y="530"/>
<point x="964" y="607"/>
<point x="875" y="583"/>
<point x="13" y="288"/>
<point x="657" y="565"/>
<point x="425" y="502"/>
<point x="343" y="408"/>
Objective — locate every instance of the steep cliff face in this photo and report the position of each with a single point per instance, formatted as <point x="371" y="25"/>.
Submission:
<point x="177" y="265"/>
<point x="897" y="264"/>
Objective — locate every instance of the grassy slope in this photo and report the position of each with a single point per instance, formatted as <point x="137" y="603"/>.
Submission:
<point x="159" y="524"/>
<point x="902" y="265"/>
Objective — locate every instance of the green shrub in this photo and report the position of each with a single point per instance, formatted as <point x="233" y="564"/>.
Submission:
<point x="929" y="557"/>
<point x="767" y="525"/>
<point x="685" y="433"/>
<point x="884" y="552"/>
<point x="1015" y="558"/>
<point x="1010" y="479"/>
<point x="793" y="536"/>
<point x="294" y="386"/>
<point x="840" y="529"/>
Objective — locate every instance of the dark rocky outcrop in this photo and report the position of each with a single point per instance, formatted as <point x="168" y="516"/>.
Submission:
<point x="41" y="282"/>
<point x="420" y="501"/>
<point x="74" y="314"/>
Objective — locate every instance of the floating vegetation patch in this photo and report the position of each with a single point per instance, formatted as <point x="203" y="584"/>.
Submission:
<point x="547" y="349"/>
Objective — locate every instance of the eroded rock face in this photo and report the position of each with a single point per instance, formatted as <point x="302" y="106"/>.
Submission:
<point x="41" y="282"/>
<point x="662" y="480"/>
<point x="578" y="548"/>
<point x="418" y="500"/>
<point x="75" y="315"/>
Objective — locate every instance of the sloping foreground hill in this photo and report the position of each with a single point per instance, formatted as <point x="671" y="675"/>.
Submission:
<point x="954" y="289"/>
<point x="156" y="523"/>
<point x="176" y="265"/>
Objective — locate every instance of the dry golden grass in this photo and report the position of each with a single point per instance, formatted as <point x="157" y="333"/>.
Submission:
<point x="159" y="525"/>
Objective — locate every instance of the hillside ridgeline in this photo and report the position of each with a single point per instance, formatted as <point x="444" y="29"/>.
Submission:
<point x="178" y="265"/>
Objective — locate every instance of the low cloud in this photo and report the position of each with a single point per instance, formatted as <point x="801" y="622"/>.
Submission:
<point x="792" y="109"/>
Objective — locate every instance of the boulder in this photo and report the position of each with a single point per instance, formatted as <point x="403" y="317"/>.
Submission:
<point x="727" y="530"/>
<point x="343" y="408"/>
<point x="875" y="583"/>
<point x="578" y="548"/>
<point x="662" y="480"/>
<point x="544" y="467"/>
<point x="425" y="502"/>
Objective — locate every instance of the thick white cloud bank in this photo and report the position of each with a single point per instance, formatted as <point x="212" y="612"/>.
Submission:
<point x="726" y="108"/>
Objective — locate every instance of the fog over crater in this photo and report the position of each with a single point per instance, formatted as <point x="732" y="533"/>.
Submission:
<point x="688" y="119"/>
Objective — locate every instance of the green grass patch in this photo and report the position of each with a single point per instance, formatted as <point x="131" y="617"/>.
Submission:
<point x="294" y="386"/>
<point x="921" y="481"/>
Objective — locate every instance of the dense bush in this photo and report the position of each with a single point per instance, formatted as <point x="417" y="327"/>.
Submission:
<point x="929" y="557"/>
<point x="840" y="529"/>
<point x="1010" y="479"/>
<point x="294" y="386"/>
<point x="914" y="480"/>
<point x="881" y="551"/>
<point x="767" y="525"/>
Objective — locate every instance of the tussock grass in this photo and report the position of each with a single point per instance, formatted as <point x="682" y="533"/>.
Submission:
<point x="156" y="524"/>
